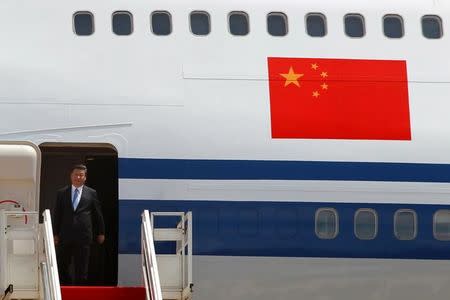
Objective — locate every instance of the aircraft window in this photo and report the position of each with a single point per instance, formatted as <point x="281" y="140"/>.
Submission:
<point x="441" y="225"/>
<point x="405" y="224"/>
<point x="277" y="24"/>
<point x="327" y="224"/>
<point x="161" y="23"/>
<point x="366" y="224"/>
<point x="316" y="25"/>
<point x="354" y="25"/>
<point x="122" y="23"/>
<point x="393" y="26"/>
<point x="83" y="23"/>
<point x="200" y="24"/>
<point x="432" y="27"/>
<point x="238" y="22"/>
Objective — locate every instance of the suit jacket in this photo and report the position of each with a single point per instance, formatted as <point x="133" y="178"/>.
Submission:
<point x="77" y="226"/>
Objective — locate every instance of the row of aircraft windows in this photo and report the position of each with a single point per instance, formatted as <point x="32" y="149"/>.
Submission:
<point x="239" y="24"/>
<point x="366" y="224"/>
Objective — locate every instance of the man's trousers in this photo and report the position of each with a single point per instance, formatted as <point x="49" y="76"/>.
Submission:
<point x="80" y="254"/>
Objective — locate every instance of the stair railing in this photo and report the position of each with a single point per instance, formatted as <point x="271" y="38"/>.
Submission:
<point x="50" y="268"/>
<point x="149" y="264"/>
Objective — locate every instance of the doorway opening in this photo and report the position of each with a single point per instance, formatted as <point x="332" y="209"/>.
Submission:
<point x="102" y="163"/>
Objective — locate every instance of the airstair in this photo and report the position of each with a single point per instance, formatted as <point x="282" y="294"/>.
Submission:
<point x="167" y="276"/>
<point x="28" y="266"/>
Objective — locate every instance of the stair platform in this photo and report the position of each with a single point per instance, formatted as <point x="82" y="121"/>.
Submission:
<point x="102" y="293"/>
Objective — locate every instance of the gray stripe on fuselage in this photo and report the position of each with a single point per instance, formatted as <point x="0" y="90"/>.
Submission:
<point x="268" y="278"/>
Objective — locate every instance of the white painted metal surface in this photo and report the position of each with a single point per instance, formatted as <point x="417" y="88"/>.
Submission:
<point x="285" y="191"/>
<point x="19" y="256"/>
<point x="175" y="270"/>
<point x="19" y="175"/>
<point x="149" y="262"/>
<point x="50" y="256"/>
<point x="185" y="96"/>
<point x="45" y="281"/>
<point x="19" y="222"/>
<point x="204" y="97"/>
<point x="269" y="278"/>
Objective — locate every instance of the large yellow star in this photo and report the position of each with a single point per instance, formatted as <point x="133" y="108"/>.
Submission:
<point x="291" y="77"/>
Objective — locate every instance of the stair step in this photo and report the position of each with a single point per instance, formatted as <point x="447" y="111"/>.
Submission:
<point x="168" y="234"/>
<point x="102" y="293"/>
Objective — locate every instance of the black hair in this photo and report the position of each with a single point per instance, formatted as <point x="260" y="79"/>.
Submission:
<point x="79" y="167"/>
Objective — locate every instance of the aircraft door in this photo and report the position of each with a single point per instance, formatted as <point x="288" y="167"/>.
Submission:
<point x="19" y="200"/>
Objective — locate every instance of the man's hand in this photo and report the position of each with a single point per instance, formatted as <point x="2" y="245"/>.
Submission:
<point x="100" y="238"/>
<point x="56" y="239"/>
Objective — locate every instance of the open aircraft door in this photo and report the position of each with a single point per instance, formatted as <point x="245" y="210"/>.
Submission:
<point x="20" y="164"/>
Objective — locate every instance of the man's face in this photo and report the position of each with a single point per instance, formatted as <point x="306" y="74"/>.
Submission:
<point x="78" y="177"/>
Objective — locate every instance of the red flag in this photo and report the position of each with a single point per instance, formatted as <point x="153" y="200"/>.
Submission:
<point x="316" y="98"/>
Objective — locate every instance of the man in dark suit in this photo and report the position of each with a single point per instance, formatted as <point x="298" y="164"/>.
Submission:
<point x="77" y="217"/>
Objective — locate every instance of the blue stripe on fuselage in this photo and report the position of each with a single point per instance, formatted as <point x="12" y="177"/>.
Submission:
<point x="136" y="168"/>
<point x="286" y="229"/>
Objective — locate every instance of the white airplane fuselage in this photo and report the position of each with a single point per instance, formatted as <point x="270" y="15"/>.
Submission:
<point x="190" y="119"/>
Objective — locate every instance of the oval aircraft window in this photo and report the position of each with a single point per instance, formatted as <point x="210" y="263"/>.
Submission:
<point x="277" y="24"/>
<point x="161" y="23"/>
<point x="316" y="25"/>
<point x="327" y="225"/>
<point x="200" y="24"/>
<point x="441" y="225"/>
<point x="238" y="23"/>
<point x="354" y="25"/>
<point x="122" y="22"/>
<point x="393" y="26"/>
<point x="432" y="27"/>
<point x="83" y="23"/>
<point x="405" y="224"/>
<point x="366" y="224"/>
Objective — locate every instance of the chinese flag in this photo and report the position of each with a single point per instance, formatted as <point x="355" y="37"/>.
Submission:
<point x="316" y="98"/>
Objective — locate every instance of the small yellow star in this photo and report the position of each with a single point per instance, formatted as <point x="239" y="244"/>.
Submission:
<point x="324" y="74"/>
<point x="291" y="77"/>
<point x="314" y="66"/>
<point x="315" y="94"/>
<point x="324" y="86"/>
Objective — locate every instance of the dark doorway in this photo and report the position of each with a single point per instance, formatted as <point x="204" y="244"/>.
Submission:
<point x="101" y="161"/>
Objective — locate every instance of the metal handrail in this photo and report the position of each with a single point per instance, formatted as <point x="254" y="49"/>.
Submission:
<point x="190" y="250"/>
<point x="45" y="281"/>
<point x="149" y="264"/>
<point x="50" y="255"/>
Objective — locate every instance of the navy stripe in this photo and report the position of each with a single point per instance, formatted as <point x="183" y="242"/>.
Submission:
<point x="285" y="229"/>
<point x="281" y="170"/>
